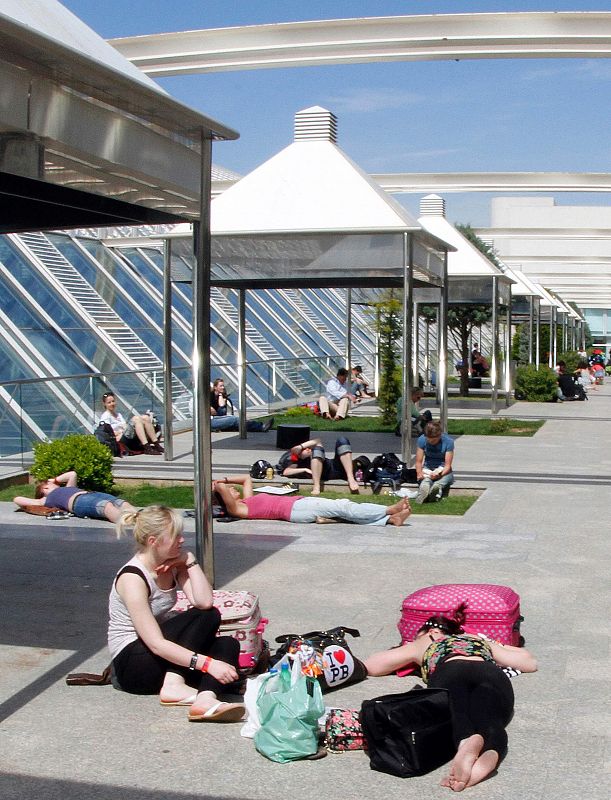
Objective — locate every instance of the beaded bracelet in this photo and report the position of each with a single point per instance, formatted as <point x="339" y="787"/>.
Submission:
<point x="193" y="563"/>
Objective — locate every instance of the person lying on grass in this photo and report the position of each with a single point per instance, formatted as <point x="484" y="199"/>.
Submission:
<point x="237" y="498"/>
<point x="63" y="492"/>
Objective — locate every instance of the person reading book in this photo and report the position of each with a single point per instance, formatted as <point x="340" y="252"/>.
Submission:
<point x="434" y="456"/>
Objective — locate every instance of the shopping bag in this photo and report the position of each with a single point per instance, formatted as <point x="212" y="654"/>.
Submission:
<point x="289" y="705"/>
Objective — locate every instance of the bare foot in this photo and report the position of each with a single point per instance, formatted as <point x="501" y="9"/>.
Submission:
<point x="484" y="766"/>
<point x="402" y="505"/>
<point x="399" y="518"/>
<point x="445" y="782"/>
<point x="462" y="765"/>
<point x="354" y="487"/>
<point x="315" y="493"/>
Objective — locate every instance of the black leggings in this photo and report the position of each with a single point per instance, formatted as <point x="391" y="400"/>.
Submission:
<point x="140" y="671"/>
<point x="481" y="700"/>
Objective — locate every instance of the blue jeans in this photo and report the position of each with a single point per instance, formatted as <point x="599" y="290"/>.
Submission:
<point x="445" y="482"/>
<point x="229" y="422"/>
<point x="306" y="509"/>
<point x="92" y="504"/>
<point x="333" y="469"/>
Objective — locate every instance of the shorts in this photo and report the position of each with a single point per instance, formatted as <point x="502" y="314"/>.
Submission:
<point x="130" y="431"/>
<point x="92" y="504"/>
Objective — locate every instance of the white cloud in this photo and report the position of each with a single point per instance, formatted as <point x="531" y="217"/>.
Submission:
<point x="589" y="69"/>
<point x="366" y="101"/>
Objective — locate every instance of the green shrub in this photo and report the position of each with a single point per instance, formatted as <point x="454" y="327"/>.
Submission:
<point x="91" y="460"/>
<point x="297" y="411"/>
<point x="571" y="359"/>
<point x="535" y="385"/>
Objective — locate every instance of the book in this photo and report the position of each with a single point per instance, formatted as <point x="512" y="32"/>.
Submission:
<point x="277" y="489"/>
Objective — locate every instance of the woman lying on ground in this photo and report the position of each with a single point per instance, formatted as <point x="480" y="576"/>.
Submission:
<point x="308" y="459"/>
<point x="155" y="650"/>
<point x="293" y="508"/>
<point x="481" y="696"/>
<point x="63" y="492"/>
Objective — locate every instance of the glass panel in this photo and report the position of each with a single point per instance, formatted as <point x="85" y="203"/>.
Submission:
<point x="306" y="257"/>
<point x="470" y="290"/>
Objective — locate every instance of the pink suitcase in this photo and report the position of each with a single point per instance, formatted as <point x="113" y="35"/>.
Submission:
<point x="240" y="618"/>
<point x="491" y="610"/>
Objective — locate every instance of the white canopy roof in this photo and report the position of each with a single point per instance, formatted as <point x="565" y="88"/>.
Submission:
<point x="310" y="186"/>
<point x="466" y="260"/>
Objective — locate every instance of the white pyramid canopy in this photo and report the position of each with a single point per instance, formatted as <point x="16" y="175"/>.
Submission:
<point x="311" y="214"/>
<point x="466" y="259"/>
<point x="309" y="186"/>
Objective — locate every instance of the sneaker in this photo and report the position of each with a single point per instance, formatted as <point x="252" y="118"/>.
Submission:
<point x="423" y="492"/>
<point x="436" y="493"/>
<point x="157" y="448"/>
<point x="150" y="450"/>
<point x="267" y="424"/>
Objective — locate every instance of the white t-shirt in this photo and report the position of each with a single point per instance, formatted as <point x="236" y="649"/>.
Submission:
<point x="116" y="421"/>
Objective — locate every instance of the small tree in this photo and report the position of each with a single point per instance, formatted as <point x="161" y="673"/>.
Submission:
<point x="389" y="326"/>
<point x="461" y="321"/>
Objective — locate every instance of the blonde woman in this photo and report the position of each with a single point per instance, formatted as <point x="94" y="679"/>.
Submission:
<point x="155" y="650"/>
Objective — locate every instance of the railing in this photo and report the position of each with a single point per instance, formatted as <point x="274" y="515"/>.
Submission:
<point x="43" y="409"/>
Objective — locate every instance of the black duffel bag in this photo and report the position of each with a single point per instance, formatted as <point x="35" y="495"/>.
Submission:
<point x="410" y="733"/>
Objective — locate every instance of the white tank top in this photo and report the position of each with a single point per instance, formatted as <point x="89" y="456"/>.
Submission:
<point x="121" y="631"/>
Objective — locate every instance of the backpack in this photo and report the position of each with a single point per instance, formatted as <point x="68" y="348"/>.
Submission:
<point x="385" y="470"/>
<point x="105" y="435"/>
<point x="259" y="469"/>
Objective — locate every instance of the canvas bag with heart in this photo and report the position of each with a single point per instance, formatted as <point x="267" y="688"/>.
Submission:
<point x="340" y="665"/>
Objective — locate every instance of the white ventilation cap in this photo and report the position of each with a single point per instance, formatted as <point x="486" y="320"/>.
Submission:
<point x="433" y="205"/>
<point x="315" y="124"/>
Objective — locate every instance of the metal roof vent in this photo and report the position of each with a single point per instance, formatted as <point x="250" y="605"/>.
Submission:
<point x="433" y="205"/>
<point x="315" y="124"/>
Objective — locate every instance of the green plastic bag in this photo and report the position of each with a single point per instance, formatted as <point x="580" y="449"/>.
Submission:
<point x="289" y="714"/>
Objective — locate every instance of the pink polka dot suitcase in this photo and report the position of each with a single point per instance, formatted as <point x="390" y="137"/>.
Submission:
<point x="240" y="618"/>
<point x="491" y="609"/>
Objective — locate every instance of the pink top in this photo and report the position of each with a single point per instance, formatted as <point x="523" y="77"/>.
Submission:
<point x="270" y="506"/>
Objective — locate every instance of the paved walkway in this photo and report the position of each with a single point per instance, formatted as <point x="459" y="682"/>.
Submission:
<point x="541" y="526"/>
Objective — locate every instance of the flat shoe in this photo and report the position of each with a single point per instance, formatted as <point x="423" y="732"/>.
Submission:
<point x="187" y="701"/>
<point x="219" y="712"/>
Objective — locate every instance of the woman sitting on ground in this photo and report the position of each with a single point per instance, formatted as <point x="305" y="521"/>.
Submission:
<point x="155" y="650"/>
<point x="137" y="435"/>
<point x="293" y="508"/>
<point x="62" y="492"/>
<point x="481" y="696"/>
<point x="308" y="459"/>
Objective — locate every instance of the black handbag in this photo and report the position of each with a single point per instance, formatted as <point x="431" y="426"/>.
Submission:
<point x="410" y="733"/>
<point x="342" y="667"/>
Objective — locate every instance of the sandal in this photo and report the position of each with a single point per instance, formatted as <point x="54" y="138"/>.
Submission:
<point x="219" y="712"/>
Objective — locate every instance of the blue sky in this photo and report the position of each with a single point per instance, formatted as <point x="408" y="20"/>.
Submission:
<point x="438" y="116"/>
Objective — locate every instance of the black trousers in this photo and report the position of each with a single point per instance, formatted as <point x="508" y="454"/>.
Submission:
<point x="139" y="671"/>
<point x="481" y="700"/>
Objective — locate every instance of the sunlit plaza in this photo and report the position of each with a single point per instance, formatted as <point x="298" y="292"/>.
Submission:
<point x="136" y="258"/>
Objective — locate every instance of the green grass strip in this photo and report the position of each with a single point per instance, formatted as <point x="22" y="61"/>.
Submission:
<point x="146" y="494"/>
<point x="499" y="426"/>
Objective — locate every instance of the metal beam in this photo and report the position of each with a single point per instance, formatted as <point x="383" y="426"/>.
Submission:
<point x="423" y="37"/>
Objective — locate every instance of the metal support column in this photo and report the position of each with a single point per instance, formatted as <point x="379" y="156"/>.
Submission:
<point x="168" y="436"/>
<point x="551" y="362"/>
<point x="408" y="284"/>
<point x="416" y="345"/>
<point x="202" y="452"/>
<point x="507" y="380"/>
<point x="442" y="347"/>
<point x="531" y="320"/>
<point x="348" y="354"/>
<point x="242" y="360"/>
<point x="494" y="365"/>
<point x="538" y="337"/>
